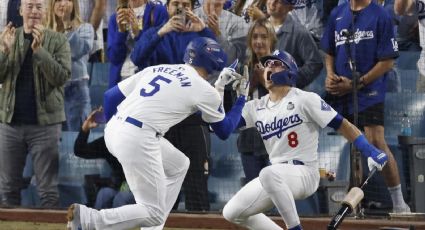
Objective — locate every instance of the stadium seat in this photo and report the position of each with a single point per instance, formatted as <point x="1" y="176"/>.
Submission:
<point x="72" y="169"/>
<point x="98" y="83"/>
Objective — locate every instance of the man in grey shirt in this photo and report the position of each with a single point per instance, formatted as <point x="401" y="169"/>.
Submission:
<point x="229" y="29"/>
<point x="310" y="14"/>
<point x="295" y="39"/>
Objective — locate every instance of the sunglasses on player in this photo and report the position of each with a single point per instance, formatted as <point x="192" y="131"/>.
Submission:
<point x="273" y="63"/>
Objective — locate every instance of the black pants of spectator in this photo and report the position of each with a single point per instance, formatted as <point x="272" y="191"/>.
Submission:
<point x="194" y="141"/>
<point x="252" y="164"/>
<point x="41" y="141"/>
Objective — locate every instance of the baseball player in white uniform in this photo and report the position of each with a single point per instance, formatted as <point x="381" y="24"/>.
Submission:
<point x="406" y="7"/>
<point x="141" y="109"/>
<point x="288" y="120"/>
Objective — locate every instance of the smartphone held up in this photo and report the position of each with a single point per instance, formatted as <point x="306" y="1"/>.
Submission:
<point x="181" y="11"/>
<point x="122" y="4"/>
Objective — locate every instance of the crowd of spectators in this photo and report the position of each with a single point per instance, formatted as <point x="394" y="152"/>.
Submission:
<point x="55" y="40"/>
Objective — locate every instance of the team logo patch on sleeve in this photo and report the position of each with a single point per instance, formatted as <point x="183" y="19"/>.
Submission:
<point x="325" y="106"/>
<point x="395" y="44"/>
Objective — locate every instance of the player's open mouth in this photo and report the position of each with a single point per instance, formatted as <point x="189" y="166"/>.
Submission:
<point x="269" y="73"/>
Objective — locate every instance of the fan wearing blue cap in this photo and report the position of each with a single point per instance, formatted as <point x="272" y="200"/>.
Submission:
<point x="288" y="120"/>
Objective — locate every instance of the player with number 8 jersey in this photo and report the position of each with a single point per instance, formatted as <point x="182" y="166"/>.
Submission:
<point x="289" y="126"/>
<point x="289" y="120"/>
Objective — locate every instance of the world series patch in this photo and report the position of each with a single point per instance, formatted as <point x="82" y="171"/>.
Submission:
<point x="325" y="106"/>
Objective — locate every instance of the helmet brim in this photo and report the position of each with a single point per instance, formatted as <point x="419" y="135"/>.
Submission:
<point x="272" y="57"/>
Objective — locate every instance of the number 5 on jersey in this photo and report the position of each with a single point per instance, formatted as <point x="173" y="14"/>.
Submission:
<point x="156" y="86"/>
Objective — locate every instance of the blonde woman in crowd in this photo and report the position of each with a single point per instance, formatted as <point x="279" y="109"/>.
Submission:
<point x="64" y="16"/>
<point x="260" y="42"/>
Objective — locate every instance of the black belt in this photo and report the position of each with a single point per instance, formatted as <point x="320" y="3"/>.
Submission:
<point x="134" y="122"/>
<point x="294" y="162"/>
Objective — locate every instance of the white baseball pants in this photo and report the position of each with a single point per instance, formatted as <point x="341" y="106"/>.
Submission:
<point x="154" y="170"/>
<point x="277" y="185"/>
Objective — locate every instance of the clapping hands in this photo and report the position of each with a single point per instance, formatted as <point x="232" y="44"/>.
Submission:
<point x="38" y="34"/>
<point x="254" y="13"/>
<point x="7" y="38"/>
<point x="338" y="85"/>
<point x="127" y="16"/>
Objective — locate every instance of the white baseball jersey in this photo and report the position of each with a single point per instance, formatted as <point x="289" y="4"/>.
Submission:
<point x="3" y="14"/>
<point x="163" y="95"/>
<point x="290" y="127"/>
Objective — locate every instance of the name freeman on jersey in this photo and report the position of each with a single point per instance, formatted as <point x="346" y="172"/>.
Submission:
<point x="277" y="127"/>
<point x="340" y="39"/>
<point x="184" y="81"/>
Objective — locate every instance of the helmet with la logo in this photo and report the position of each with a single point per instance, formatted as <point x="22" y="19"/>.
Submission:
<point x="206" y="53"/>
<point x="287" y="76"/>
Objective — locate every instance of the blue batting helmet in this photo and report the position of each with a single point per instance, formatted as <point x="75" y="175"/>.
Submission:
<point x="206" y="53"/>
<point x="288" y="76"/>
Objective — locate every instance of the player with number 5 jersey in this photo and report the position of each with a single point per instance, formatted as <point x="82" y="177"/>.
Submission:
<point x="141" y="109"/>
<point x="289" y="121"/>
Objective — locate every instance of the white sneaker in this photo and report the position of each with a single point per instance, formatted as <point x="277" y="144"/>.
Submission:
<point x="402" y="209"/>
<point x="73" y="217"/>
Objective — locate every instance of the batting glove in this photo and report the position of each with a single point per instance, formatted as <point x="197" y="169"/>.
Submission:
<point x="375" y="157"/>
<point x="241" y="86"/>
<point x="373" y="164"/>
<point x="226" y="76"/>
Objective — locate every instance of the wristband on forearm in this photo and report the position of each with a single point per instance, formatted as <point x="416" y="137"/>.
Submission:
<point x="362" y="144"/>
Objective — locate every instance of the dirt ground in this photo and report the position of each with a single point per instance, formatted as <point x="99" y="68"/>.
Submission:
<point x="14" y="225"/>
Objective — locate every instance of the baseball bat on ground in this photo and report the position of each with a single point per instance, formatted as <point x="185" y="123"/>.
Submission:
<point x="351" y="200"/>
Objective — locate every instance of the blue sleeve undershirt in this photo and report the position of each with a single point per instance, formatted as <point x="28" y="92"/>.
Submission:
<point x="231" y="121"/>
<point x="112" y="98"/>
<point x="336" y="122"/>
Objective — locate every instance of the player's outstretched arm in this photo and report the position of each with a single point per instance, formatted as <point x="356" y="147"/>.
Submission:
<point x="112" y="98"/>
<point x="376" y="158"/>
<point x="231" y="121"/>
